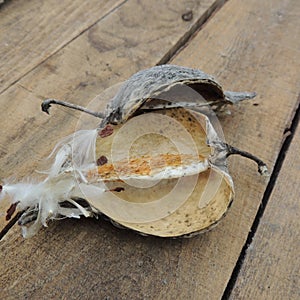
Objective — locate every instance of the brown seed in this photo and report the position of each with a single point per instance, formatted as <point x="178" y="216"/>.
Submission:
<point x="102" y="160"/>
<point x="106" y="131"/>
<point x="11" y="211"/>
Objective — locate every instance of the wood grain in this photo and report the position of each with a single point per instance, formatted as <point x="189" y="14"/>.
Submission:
<point x="31" y="31"/>
<point x="89" y="258"/>
<point x="271" y="267"/>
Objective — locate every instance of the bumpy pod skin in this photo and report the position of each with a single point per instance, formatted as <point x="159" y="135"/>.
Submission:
<point x="150" y="83"/>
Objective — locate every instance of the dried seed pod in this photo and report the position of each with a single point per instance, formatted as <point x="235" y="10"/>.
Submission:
<point x="172" y="184"/>
<point x="155" y="164"/>
<point x="139" y="91"/>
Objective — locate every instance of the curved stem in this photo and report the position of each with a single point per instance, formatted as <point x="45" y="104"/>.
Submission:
<point x="262" y="167"/>
<point x="46" y="104"/>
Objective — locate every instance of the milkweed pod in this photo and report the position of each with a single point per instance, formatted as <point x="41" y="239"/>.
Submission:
<point x="155" y="164"/>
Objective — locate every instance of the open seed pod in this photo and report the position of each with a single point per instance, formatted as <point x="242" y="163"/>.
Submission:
<point x="155" y="164"/>
<point x="163" y="177"/>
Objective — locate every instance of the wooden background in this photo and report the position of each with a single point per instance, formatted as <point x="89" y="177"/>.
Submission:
<point x="73" y="50"/>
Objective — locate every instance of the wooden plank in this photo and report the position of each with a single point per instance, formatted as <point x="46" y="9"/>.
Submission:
<point x="83" y="258"/>
<point x="31" y="31"/>
<point x="242" y="54"/>
<point x="276" y="244"/>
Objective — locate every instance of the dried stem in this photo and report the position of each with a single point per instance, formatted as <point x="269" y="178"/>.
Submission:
<point x="46" y="104"/>
<point x="262" y="167"/>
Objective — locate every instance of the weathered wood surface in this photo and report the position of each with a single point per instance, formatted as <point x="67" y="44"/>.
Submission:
<point x="247" y="45"/>
<point x="31" y="31"/>
<point x="253" y="51"/>
<point x="271" y="268"/>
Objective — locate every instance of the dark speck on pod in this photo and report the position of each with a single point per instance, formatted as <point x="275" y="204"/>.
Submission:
<point x="118" y="189"/>
<point x="102" y="160"/>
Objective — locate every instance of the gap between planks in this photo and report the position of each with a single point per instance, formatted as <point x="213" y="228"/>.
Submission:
<point x="188" y="36"/>
<point x="269" y="189"/>
<point x="167" y="57"/>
